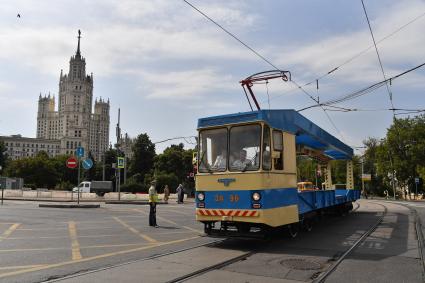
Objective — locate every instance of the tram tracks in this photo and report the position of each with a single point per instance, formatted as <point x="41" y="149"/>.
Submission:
<point x="322" y="277"/>
<point x="156" y="256"/>
<point x="244" y="256"/>
<point x="236" y="258"/>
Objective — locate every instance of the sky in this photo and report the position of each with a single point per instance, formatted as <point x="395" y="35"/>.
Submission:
<point x="165" y="65"/>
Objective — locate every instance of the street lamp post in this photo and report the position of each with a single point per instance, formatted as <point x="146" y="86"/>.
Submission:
<point x="363" y="178"/>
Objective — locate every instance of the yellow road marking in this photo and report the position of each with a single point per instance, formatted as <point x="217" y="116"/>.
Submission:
<point x="135" y="231"/>
<point x="76" y="254"/>
<point x="170" y="222"/>
<point x="21" y="266"/>
<point x="94" y="257"/>
<point x="64" y="248"/>
<point x="9" y="231"/>
<point x="66" y="228"/>
<point x="176" y="211"/>
<point x="62" y="237"/>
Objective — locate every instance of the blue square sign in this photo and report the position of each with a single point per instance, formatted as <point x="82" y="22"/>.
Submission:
<point x="79" y="151"/>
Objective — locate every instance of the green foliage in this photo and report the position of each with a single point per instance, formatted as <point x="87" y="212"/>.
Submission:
<point x="401" y="153"/>
<point x="173" y="166"/>
<point x="64" y="186"/>
<point x="169" y="179"/>
<point x="143" y="156"/>
<point x="3" y="155"/>
<point x="131" y="187"/>
<point x="38" y="170"/>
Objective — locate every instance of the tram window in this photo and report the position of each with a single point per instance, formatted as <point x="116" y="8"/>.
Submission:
<point x="213" y="150"/>
<point x="278" y="150"/>
<point x="245" y="144"/>
<point x="266" y="149"/>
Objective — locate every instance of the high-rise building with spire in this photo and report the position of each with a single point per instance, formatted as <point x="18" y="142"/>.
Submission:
<point x="74" y="124"/>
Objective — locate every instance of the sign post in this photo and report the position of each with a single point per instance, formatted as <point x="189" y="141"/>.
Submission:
<point x="120" y="165"/>
<point x="416" y="185"/>
<point x="71" y="163"/>
<point x="2" y="192"/>
<point x="80" y="153"/>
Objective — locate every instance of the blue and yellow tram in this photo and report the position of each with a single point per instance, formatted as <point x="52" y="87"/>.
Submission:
<point x="247" y="173"/>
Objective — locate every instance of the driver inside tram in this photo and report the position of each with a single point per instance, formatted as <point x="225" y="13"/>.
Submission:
<point x="242" y="163"/>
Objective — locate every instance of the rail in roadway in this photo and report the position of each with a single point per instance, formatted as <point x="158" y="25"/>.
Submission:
<point x="242" y="256"/>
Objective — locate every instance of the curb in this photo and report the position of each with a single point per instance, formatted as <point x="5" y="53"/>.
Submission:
<point x="70" y="205"/>
<point x="132" y="202"/>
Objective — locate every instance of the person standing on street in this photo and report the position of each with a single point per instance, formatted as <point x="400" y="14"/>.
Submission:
<point x="153" y="199"/>
<point x="166" y="193"/>
<point x="180" y="193"/>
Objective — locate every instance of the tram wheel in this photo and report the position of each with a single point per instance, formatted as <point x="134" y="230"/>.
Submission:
<point x="308" y="225"/>
<point x="293" y="230"/>
<point x="207" y="228"/>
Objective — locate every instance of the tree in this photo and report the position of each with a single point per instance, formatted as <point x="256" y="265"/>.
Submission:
<point x="173" y="167"/>
<point x="37" y="170"/>
<point x="143" y="156"/>
<point x="402" y="152"/>
<point x="3" y="155"/>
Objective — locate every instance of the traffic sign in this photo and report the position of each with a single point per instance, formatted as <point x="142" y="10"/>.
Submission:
<point x="87" y="163"/>
<point x="366" y="177"/>
<point x="417" y="180"/>
<point x="79" y="151"/>
<point x="120" y="162"/>
<point x="71" y="162"/>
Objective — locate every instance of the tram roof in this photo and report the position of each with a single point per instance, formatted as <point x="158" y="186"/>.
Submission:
<point x="307" y="133"/>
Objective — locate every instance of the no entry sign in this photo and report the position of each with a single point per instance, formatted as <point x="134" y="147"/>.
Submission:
<point x="71" y="162"/>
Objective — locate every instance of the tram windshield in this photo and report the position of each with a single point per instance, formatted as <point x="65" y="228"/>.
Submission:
<point x="244" y="148"/>
<point x="213" y="150"/>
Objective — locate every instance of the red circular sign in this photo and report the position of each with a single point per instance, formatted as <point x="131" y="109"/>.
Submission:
<point x="71" y="162"/>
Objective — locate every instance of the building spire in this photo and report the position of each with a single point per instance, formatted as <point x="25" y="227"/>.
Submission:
<point x="78" y="47"/>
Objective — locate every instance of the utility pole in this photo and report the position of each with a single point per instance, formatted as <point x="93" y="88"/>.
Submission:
<point x="117" y="146"/>
<point x="363" y="176"/>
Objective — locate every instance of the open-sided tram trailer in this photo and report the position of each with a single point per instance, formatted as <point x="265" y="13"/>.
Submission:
<point x="262" y="195"/>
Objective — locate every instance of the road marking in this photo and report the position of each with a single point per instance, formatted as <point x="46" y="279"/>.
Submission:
<point x="176" y="211"/>
<point x="75" y="246"/>
<point x="62" y="237"/>
<point x="9" y="231"/>
<point x="135" y="231"/>
<point x="21" y="266"/>
<point x="170" y="222"/>
<point x="64" y="248"/>
<point x="66" y="228"/>
<point x="94" y="257"/>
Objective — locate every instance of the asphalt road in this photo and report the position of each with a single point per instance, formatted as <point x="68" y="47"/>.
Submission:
<point x="37" y="244"/>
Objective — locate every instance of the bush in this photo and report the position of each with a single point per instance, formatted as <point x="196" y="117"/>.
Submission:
<point x="32" y="186"/>
<point x="132" y="187"/>
<point x="163" y="179"/>
<point x="64" y="186"/>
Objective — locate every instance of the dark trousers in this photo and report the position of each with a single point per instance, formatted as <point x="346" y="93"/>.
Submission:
<point x="152" y="214"/>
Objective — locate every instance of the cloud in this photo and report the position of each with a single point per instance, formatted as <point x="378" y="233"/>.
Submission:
<point x="404" y="47"/>
<point x="5" y="87"/>
<point x="192" y="84"/>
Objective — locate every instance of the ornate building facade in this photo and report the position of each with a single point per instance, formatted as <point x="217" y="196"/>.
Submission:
<point x="74" y="124"/>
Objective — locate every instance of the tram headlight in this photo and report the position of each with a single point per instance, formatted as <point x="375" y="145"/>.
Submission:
<point x="256" y="196"/>
<point x="201" y="196"/>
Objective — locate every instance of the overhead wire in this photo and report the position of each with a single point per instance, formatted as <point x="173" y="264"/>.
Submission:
<point x="264" y="59"/>
<point x="176" y="138"/>
<point x="379" y="57"/>
<point x="349" y="60"/>
<point x="362" y="91"/>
